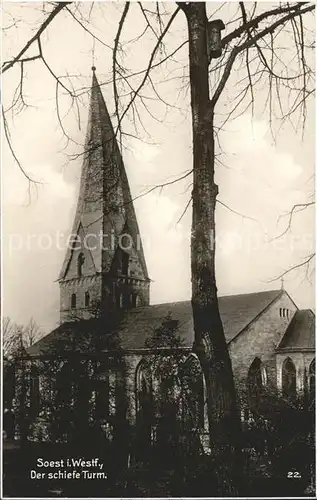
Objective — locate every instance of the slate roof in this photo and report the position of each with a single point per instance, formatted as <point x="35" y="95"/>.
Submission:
<point x="102" y="156"/>
<point x="236" y="311"/>
<point x="300" y="333"/>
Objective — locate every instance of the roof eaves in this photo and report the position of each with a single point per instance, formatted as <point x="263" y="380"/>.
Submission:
<point x="281" y="350"/>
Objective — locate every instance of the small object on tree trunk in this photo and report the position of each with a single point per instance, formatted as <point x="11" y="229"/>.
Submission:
<point x="214" y="29"/>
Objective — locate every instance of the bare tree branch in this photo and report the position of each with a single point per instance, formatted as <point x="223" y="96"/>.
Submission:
<point x="249" y="43"/>
<point x="7" y="65"/>
<point x="236" y="212"/>
<point x="254" y="23"/>
<point x="137" y="91"/>
<point x="305" y="263"/>
<point x="115" y="64"/>
<point x="88" y="30"/>
<point x="298" y="207"/>
<point x="16" y="159"/>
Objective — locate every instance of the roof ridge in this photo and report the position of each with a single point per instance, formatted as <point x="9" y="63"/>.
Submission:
<point x="237" y="313"/>
<point x="277" y="291"/>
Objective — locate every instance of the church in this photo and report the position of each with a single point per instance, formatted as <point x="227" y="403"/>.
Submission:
<point x="100" y="356"/>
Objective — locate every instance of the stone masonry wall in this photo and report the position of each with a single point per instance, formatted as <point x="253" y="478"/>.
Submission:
<point x="260" y="339"/>
<point x="79" y="286"/>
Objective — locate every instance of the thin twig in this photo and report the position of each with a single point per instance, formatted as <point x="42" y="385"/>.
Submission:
<point x="61" y="5"/>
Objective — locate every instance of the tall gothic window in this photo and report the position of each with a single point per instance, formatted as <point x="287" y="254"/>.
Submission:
<point x="311" y="375"/>
<point x="289" y="378"/>
<point x="127" y="301"/>
<point x="144" y="403"/>
<point x="87" y="299"/>
<point x="125" y="263"/>
<point x="256" y="380"/>
<point x="64" y="386"/>
<point x="102" y="388"/>
<point x="119" y="299"/>
<point x="73" y="301"/>
<point x="72" y="394"/>
<point x="193" y="407"/>
<point x="134" y="300"/>
<point x="80" y="263"/>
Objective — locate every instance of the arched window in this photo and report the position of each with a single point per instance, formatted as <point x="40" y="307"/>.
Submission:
<point x="87" y="299"/>
<point x="80" y="263"/>
<point x="256" y="380"/>
<point x="144" y="387"/>
<point x="73" y="301"/>
<point x="64" y="386"/>
<point x="193" y="407"/>
<point x="121" y="299"/>
<point x="125" y="263"/>
<point x="72" y="393"/>
<point x="126" y="301"/>
<point x="289" y="378"/>
<point x="311" y="375"/>
<point x="133" y="300"/>
<point x="102" y="389"/>
<point x="144" y="403"/>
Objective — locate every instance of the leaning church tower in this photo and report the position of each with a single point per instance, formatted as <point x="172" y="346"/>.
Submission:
<point x="104" y="265"/>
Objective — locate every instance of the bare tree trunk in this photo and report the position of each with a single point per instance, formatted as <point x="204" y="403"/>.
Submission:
<point x="210" y="343"/>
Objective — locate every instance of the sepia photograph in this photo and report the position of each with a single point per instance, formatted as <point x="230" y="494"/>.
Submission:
<point x="158" y="249"/>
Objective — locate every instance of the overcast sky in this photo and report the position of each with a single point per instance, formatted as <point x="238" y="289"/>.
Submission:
<point x="257" y="176"/>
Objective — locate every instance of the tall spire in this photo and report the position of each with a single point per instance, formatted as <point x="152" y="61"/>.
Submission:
<point x="105" y="209"/>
